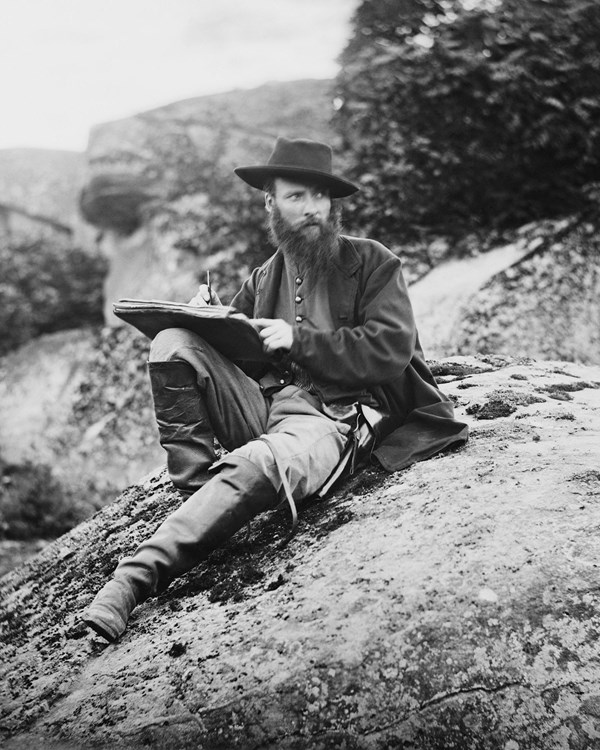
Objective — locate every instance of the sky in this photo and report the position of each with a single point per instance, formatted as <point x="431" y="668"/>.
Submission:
<point x="66" y="65"/>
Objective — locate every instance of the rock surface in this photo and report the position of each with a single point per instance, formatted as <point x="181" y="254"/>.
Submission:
<point x="547" y="305"/>
<point x="46" y="418"/>
<point x="538" y="296"/>
<point x="43" y="182"/>
<point x="452" y="605"/>
<point x="39" y="190"/>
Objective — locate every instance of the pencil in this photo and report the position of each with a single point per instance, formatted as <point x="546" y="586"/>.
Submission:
<point x="209" y="289"/>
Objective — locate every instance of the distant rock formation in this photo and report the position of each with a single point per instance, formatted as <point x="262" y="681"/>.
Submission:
<point x="39" y="191"/>
<point x="454" y="604"/>
<point x="154" y="178"/>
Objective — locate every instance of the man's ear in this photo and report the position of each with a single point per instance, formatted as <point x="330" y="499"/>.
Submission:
<point x="269" y="202"/>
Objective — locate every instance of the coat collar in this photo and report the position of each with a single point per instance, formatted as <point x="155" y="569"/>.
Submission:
<point x="346" y="258"/>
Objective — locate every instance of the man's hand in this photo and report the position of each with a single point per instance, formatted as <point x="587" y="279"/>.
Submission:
<point x="204" y="297"/>
<point x="276" y="334"/>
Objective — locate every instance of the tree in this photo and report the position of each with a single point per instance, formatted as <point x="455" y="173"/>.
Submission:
<point x="47" y="285"/>
<point x="458" y="117"/>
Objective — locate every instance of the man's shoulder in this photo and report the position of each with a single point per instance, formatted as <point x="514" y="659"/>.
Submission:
<point x="273" y="259"/>
<point x="369" y="250"/>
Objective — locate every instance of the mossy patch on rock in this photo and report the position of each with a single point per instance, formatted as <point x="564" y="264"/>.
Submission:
<point x="502" y="403"/>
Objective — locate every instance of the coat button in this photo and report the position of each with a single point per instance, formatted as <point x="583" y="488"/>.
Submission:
<point x="298" y="299"/>
<point x="298" y="318"/>
<point x="298" y="280"/>
<point x="282" y="381"/>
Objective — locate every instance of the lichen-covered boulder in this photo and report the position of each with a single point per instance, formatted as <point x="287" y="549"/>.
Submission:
<point x="537" y="296"/>
<point x="452" y="605"/>
<point x="78" y="404"/>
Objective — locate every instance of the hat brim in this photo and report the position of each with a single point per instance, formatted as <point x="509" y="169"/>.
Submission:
<point x="258" y="177"/>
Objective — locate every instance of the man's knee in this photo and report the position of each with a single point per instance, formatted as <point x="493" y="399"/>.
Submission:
<point x="169" y="343"/>
<point x="257" y="453"/>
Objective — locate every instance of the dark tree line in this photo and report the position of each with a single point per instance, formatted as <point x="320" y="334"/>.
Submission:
<point x="458" y="118"/>
<point x="47" y="285"/>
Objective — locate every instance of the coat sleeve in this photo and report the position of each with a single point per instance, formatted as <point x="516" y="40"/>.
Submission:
<point x="379" y="348"/>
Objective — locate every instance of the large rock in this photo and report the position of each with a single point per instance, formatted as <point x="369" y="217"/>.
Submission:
<point x="39" y="191"/>
<point x="547" y="305"/>
<point x="37" y="386"/>
<point x="50" y="416"/>
<point x="452" y="605"/>
<point x="155" y="180"/>
<point x="537" y="296"/>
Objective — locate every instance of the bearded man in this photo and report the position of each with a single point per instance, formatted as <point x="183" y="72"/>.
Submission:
<point x="347" y="381"/>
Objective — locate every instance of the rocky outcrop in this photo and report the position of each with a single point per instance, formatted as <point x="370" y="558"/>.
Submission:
<point x="454" y="604"/>
<point x="546" y="305"/>
<point x="49" y="416"/>
<point x="538" y="296"/>
<point x="39" y="191"/>
<point x="441" y="298"/>
<point x="161" y="188"/>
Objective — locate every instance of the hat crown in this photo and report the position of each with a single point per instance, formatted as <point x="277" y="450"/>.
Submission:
<point x="301" y="153"/>
<point x="298" y="159"/>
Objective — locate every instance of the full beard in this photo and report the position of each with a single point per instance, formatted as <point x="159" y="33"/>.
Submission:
<point x="311" y="245"/>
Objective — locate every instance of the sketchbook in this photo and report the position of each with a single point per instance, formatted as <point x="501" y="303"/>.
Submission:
<point x="222" y="327"/>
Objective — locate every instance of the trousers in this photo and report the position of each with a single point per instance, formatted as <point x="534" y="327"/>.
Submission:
<point x="286" y="431"/>
<point x="274" y="442"/>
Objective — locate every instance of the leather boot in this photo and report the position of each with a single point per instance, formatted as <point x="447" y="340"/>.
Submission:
<point x="204" y="522"/>
<point x="183" y="426"/>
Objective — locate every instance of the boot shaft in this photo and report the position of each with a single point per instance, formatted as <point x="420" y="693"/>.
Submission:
<point x="183" y="425"/>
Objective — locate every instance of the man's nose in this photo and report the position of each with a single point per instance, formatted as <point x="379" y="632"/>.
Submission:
<point x="310" y="206"/>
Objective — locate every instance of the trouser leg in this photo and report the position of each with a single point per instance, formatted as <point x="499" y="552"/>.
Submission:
<point x="308" y="443"/>
<point x="198" y="394"/>
<point x="202" y="523"/>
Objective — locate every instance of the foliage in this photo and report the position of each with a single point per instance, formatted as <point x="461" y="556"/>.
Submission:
<point x="46" y="286"/>
<point x="457" y="117"/>
<point x="33" y="503"/>
<point x="223" y="221"/>
<point x="230" y="229"/>
<point x="116" y="381"/>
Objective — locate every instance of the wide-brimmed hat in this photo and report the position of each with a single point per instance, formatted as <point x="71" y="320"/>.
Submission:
<point x="298" y="159"/>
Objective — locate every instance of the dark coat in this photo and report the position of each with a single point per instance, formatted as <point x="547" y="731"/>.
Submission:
<point x="375" y="345"/>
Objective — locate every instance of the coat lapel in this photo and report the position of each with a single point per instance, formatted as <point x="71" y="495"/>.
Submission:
<point x="269" y="281"/>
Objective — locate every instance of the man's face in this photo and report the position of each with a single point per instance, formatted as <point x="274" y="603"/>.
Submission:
<point x="303" y="207"/>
